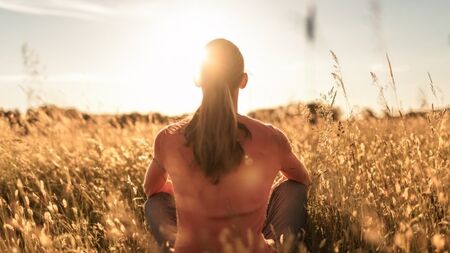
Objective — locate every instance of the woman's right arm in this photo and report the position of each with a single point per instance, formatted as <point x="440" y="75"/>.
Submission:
<point x="291" y="166"/>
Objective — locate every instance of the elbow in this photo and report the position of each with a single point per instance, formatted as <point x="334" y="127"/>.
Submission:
<point x="149" y="190"/>
<point x="146" y="190"/>
<point x="306" y="176"/>
<point x="308" y="180"/>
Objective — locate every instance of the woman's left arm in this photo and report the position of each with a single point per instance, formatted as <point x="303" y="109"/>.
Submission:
<point x="156" y="178"/>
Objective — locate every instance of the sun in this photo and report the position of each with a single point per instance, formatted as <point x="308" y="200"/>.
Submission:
<point x="173" y="58"/>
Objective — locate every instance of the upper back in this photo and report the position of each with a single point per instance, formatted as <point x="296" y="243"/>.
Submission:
<point x="253" y="177"/>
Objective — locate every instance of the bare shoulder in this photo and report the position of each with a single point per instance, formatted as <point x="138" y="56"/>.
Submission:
<point x="172" y="131"/>
<point x="265" y="128"/>
<point x="270" y="130"/>
<point x="178" y="127"/>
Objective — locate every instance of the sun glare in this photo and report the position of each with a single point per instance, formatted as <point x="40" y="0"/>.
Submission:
<point x="177" y="56"/>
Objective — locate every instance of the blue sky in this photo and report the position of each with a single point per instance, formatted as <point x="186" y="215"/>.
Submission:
<point x="121" y="56"/>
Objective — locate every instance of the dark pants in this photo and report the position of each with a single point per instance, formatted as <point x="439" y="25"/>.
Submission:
<point x="286" y="214"/>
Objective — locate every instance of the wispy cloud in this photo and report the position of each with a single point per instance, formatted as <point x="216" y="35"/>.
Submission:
<point x="66" y="78"/>
<point x="82" y="9"/>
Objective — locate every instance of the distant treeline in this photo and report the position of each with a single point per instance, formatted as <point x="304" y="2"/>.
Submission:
<point x="312" y="113"/>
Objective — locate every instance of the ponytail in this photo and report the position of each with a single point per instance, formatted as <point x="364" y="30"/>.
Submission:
<point x="213" y="130"/>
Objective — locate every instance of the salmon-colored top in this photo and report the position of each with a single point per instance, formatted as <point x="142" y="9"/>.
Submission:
<point x="207" y="214"/>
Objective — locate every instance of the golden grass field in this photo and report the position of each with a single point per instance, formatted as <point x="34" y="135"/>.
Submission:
<point x="71" y="182"/>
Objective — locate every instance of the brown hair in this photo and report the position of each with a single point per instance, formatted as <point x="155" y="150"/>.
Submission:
<point x="213" y="130"/>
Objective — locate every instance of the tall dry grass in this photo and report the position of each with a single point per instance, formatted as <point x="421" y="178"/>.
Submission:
<point x="72" y="182"/>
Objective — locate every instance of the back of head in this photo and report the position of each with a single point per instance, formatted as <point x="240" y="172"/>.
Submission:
<point x="213" y="130"/>
<point x="222" y="64"/>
